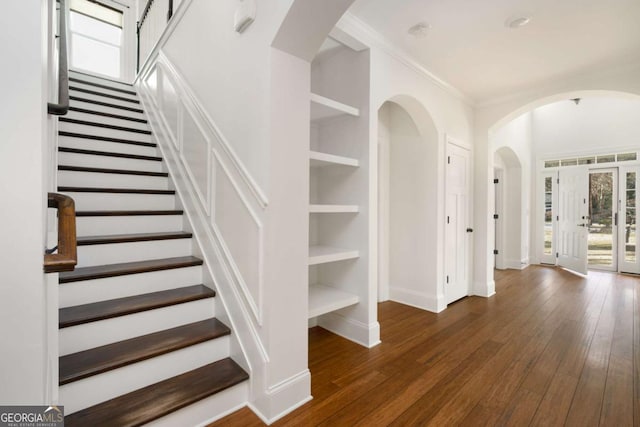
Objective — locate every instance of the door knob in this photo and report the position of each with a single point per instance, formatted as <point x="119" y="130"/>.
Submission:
<point x="469" y="230"/>
<point x="582" y="225"/>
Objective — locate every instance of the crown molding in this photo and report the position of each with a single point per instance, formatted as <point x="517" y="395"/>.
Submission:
<point x="358" y="29"/>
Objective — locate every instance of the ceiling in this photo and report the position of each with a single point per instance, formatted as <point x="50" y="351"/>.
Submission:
<point x="469" y="45"/>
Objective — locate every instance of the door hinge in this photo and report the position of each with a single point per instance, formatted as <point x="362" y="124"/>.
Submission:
<point x="496" y="216"/>
<point x="447" y="219"/>
<point x="496" y="181"/>
<point x="557" y="217"/>
<point x="557" y="255"/>
<point x="448" y="159"/>
<point x="447" y="279"/>
<point x="495" y="252"/>
<point x="557" y="180"/>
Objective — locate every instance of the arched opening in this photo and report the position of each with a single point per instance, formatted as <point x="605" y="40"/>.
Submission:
<point x="552" y="133"/>
<point x="509" y="209"/>
<point x="409" y="251"/>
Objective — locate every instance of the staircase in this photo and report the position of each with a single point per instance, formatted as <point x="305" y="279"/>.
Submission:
<point x="138" y="335"/>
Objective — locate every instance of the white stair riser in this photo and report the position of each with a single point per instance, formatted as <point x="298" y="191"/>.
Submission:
<point x="107" y="91"/>
<point x="105" y="109"/>
<point x="108" y="162"/>
<point x="109" y="147"/>
<point x="88" y="117"/>
<point x="99" y="131"/>
<point x="99" y="388"/>
<point x="90" y="78"/>
<point x="115" y="253"/>
<point x="102" y="98"/>
<point x="108" y="225"/>
<point x="111" y="180"/>
<point x="88" y="291"/>
<point x="208" y="410"/>
<point x="117" y="201"/>
<point x="95" y="334"/>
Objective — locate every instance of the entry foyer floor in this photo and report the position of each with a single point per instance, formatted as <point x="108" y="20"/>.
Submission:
<point x="550" y="348"/>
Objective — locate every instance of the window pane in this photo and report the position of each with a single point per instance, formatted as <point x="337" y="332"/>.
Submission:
<point x="95" y="56"/>
<point x="552" y="164"/>
<point x="96" y="29"/>
<point x="569" y="162"/>
<point x="548" y="215"/>
<point x="630" y="219"/>
<point x="586" y="161"/>
<point x="626" y="157"/>
<point x="607" y="159"/>
<point x="101" y="12"/>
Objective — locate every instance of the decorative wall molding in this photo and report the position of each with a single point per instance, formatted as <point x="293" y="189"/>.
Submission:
<point x="243" y="310"/>
<point x="355" y="27"/>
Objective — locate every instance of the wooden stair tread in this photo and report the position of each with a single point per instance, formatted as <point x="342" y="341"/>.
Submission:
<point x="105" y="104"/>
<point x="109" y="154"/>
<point x="106" y="139"/>
<point x="117" y="89"/>
<point x="136" y="237"/>
<point x="65" y="189"/>
<point x="103" y="125"/>
<point x="103" y="114"/>
<point x="129" y="213"/>
<point x="111" y="171"/>
<point x="86" y="313"/>
<point x="84" y="364"/>
<point x="152" y="402"/>
<point x="106" y="95"/>
<point x="125" y="268"/>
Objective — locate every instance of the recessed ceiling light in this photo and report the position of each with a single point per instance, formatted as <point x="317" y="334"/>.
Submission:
<point x="420" y="29"/>
<point x="518" y="22"/>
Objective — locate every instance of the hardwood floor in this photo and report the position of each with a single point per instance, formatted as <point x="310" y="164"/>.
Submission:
<point x="550" y="348"/>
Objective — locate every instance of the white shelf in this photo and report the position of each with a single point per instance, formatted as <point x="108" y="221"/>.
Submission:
<point x="325" y="254"/>
<point x="324" y="299"/>
<point x="333" y="208"/>
<point x="319" y="159"/>
<point x="325" y="108"/>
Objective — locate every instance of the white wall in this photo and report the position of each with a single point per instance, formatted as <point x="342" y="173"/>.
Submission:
<point x="408" y="217"/>
<point x="513" y="142"/>
<point x="394" y="77"/>
<point x="23" y="151"/>
<point x="596" y="125"/>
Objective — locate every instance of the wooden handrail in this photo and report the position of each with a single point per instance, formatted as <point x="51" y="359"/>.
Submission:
<point x="62" y="107"/>
<point x="67" y="257"/>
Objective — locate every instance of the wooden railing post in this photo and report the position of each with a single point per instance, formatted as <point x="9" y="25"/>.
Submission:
<point x="67" y="257"/>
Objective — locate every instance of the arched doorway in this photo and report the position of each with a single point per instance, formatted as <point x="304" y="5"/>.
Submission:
<point x="509" y="209"/>
<point x="410" y="255"/>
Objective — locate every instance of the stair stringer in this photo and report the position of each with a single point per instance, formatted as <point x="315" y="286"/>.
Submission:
<point x="241" y="310"/>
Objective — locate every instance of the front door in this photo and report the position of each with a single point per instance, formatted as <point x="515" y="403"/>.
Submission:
<point x="572" y="218"/>
<point x="457" y="223"/>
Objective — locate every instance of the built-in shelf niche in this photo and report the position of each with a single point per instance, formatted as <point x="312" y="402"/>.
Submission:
<point x="339" y="192"/>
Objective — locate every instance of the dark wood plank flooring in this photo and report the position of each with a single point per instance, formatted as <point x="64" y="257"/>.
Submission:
<point x="550" y="348"/>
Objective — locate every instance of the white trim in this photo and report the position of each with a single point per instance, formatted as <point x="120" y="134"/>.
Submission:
<point x="230" y="298"/>
<point x="514" y="264"/>
<point x="416" y="299"/>
<point x="355" y="27"/>
<point x="484" y="289"/>
<point x="367" y="335"/>
<point x="186" y="90"/>
<point x="274" y="404"/>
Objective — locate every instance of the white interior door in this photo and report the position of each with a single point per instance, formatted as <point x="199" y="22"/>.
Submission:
<point x="457" y="231"/>
<point x="572" y="223"/>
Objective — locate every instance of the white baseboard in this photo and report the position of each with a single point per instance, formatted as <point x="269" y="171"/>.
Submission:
<point x="283" y="398"/>
<point x="517" y="264"/>
<point x="484" y="289"/>
<point x="353" y="330"/>
<point x="420" y="300"/>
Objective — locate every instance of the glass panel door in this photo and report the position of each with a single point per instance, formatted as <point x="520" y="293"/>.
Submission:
<point x="548" y="217"/>
<point x="628" y="201"/>
<point x="602" y="219"/>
